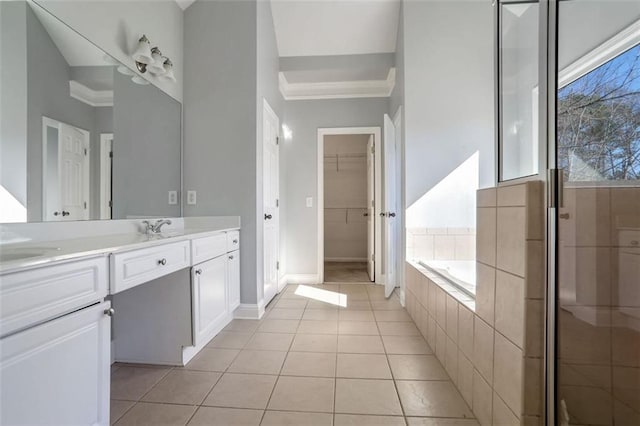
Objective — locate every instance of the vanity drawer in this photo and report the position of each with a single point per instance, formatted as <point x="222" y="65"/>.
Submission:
<point x="139" y="266"/>
<point x="34" y="296"/>
<point x="233" y="240"/>
<point x="206" y="248"/>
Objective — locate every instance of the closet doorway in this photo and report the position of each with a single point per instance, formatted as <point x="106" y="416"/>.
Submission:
<point x="349" y="184"/>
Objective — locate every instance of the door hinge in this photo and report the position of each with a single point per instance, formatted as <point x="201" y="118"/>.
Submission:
<point x="110" y="203"/>
<point x="85" y="205"/>
<point x="85" y="151"/>
<point x="277" y="140"/>
<point x="373" y="203"/>
<point x="278" y="265"/>
<point x="277" y="203"/>
<point x="110" y="154"/>
<point x="373" y="257"/>
<point x="373" y="149"/>
<point x="555" y="178"/>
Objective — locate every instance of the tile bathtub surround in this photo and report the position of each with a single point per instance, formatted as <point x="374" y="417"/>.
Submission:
<point x="492" y="349"/>
<point x="306" y="369"/>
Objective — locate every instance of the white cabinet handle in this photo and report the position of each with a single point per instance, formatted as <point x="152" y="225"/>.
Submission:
<point x="162" y="262"/>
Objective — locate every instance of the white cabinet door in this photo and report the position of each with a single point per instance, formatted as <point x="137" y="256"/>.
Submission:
<point x="57" y="373"/>
<point x="233" y="279"/>
<point x="209" y="298"/>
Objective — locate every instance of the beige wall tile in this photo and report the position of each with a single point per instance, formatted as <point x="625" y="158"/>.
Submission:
<point x="465" y="378"/>
<point x="482" y="400"/>
<point x="423" y="290"/>
<point x="433" y="298"/>
<point x="452" y="318"/>
<point x="486" y="197"/>
<point x="441" y="344"/>
<point x="485" y="292"/>
<point x="441" y="307"/>
<point x="532" y="389"/>
<point x="502" y="415"/>
<point x="432" y="333"/>
<point x="465" y="247"/>
<point x="451" y="360"/>
<point x="593" y="275"/>
<point x="507" y="376"/>
<point x="486" y="235"/>
<point x="444" y="247"/>
<point x="534" y="270"/>
<point x="534" y="328"/>
<point x="512" y="195"/>
<point x="511" y="240"/>
<point x="465" y="331"/>
<point x="535" y="211"/>
<point x="423" y="247"/>
<point x="510" y="307"/>
<point x="483" y="348"/>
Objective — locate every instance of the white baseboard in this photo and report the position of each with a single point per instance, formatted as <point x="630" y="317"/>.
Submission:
<point x="249" y="310"/>
<point x="303" y="279"/>
<point x="345" y="259"/>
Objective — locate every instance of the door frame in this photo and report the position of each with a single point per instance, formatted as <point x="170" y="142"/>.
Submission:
<point x="377" y="143"/>
<point x="397" y="120"/>
<point x="106" y="159"/>
<point x="50" y="122"/>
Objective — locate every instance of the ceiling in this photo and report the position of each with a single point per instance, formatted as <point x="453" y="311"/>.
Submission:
<point x="335" y="27"/>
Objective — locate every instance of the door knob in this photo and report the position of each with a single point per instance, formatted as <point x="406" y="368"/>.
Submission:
<point x="365" y="214"/>
<point x="198" y="271"/>
<point x="56" y="213"/>
<point x="391" y="214"/>
<point x="383" y="214"/>
<point x="64" y="213"/>
<point x="564" y="215"/>
<point x="267" y="216"/>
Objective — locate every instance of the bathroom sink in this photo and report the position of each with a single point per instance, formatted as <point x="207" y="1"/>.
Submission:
<point x="8" y="255"/>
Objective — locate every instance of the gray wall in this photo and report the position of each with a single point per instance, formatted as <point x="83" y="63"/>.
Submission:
<point x="116" y="26"/>
<point x="220" y="120"/>
<point x="146" y="150"/>
<point x="13" y="90"/>
<point x="448" y="100"/>
<point x="48" y="96"/>
<point x="300" y="158"/>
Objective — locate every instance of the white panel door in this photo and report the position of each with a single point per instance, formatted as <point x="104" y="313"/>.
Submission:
<point x="390" y="205"/>
<point x="371" y="229"/>
<point x="209" y="298"/>
<point x="74" y="173"/>
<point x="106" y="166"/>
<point x="270" y="195"/>
<point x="58" y="373"/>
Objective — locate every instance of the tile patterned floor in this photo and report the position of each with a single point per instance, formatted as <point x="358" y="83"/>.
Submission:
<point x="346" y="272"/>
<point x="306" y="363"/>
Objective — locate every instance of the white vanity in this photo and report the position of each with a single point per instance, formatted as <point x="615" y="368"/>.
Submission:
<point x="164" y="295"/>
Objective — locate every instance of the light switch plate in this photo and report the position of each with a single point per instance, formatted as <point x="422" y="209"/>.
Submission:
<point x="191" y="197"/>
<point x="173" y="197"/>
<point x="309" y="201"/>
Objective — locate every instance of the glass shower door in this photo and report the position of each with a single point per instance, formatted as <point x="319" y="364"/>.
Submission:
<point x="598" y="247"/>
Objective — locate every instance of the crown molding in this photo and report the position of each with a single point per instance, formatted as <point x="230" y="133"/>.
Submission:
<point x="95" y="98"/>
<point x="338" y="89"/>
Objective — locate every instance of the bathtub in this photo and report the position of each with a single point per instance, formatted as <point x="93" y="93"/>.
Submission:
<point x="461" y="273"/>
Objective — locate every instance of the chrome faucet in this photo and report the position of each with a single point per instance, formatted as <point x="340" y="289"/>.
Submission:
<point x="155" y="228"/>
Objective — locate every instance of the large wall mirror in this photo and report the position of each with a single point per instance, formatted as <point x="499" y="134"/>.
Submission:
<point x="82" y="137"/>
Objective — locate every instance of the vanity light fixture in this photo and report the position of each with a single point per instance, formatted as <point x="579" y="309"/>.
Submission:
<point x="157" y="66"/>
<point x="142" y="55"/>
<point x="168" y="70"/>
<point x="151" y="59"/>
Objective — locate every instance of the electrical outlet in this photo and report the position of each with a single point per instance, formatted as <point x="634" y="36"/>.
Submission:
<point x="191" y="197"/>
<point x="309" y="201"/>
<point x="173" y="197"/>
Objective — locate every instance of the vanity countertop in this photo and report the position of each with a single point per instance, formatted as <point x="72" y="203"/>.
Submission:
<point x="27" y="255"/>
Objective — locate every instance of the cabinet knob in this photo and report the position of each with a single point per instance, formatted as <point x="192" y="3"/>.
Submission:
<point x="392" y="214"/>
<point x="231" y="257"/>
<point x="56" y="213"/>
<point x="198" y="271"/>
<point x="162" y="262"/>
<point x="109" y="312"/>
<point x="235" y="241"/>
